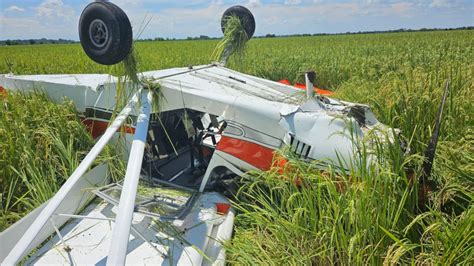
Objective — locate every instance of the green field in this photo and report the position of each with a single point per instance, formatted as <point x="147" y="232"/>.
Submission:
<point x="376" y="218"/>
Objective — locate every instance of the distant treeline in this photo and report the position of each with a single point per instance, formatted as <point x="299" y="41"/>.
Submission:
<point x="367" y="32"/>
<point x="35" y="41"/>
<point x="204" y="37"/>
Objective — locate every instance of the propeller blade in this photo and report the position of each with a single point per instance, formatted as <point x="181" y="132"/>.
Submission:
<point x="431" y="149"/>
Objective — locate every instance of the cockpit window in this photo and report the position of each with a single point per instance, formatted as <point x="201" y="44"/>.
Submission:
<point x="163" y="201"/>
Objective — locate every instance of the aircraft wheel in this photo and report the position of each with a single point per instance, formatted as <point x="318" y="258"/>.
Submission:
<point x="245" y="16"/>
<point x="105" y="33"/>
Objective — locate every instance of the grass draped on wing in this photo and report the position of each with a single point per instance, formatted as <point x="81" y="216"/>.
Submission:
<point x="127" y="79"/>
<point x="233" y="43"/>
<point x="129" y="82"/>
<point x="130" y="66"/>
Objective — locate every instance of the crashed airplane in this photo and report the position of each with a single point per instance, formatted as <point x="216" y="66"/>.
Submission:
<point x="213" y="124"/>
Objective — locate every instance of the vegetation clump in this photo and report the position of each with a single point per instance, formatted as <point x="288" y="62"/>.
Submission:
<point x="233" y="43"/>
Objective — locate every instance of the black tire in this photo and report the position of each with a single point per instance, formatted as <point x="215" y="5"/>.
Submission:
<point x="105" y="33"/>
<point x="245" y="16"/>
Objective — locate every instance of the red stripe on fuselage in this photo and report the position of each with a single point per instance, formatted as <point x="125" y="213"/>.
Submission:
<point x="3" y="91"/>
<point x="97" y="128"/>
<point x="303" y="87"/>
<point x="252" y="153"/>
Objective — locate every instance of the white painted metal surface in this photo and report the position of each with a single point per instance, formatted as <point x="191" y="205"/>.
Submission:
<point x="24" y="243"/>
<point x="267" y="107"/>
<point x="121" y="231"/>
<point x="76" y="201"/>
<point x="29" y="82"/>
<point x="186" y="241"/>
<point x="309" y="87"/>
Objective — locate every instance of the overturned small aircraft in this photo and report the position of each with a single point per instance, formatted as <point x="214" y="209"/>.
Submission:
<point x="213" y="125"/>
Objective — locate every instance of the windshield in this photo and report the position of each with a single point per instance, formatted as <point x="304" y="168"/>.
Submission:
<point x="157" y="200"/>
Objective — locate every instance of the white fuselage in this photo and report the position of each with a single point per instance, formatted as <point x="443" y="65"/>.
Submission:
<point x="262" y="115"/>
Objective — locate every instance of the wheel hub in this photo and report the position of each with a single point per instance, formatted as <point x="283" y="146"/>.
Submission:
<point x="98" y="33"/>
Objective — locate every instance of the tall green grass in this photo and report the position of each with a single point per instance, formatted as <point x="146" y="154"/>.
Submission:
<point x="307" y="216"/>
<point x="41" y="144"/>
<point x="373" y="217"/>
<point x="369" y="216"/>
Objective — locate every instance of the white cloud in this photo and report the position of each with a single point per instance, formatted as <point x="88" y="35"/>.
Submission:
<point x="403" y="9"/>
<point x="57" y="19"/>
<point x="49" y="19"/>
<point x="440" y="4"/>
<point x="371" y="1"/>
<point x="292" y="2"/>
<point x="15" y="8"/>
<point x="54" y="9"/>
<point x="32" y="28"/>
<point x="253" y="3"/>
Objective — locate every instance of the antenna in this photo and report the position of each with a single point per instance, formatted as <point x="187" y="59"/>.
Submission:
<point x="431" y="149"/>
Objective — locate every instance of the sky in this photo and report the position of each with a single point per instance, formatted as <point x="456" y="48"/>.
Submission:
<point x="33" y="19"/>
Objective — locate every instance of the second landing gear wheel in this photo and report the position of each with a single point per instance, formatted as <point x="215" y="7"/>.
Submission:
<point x="245" y="17"/>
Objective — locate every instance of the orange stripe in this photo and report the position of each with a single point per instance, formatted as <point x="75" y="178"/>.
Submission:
<point x="97" y="128"/>
<point x="300" y="86"/>
<point x="303" y="87"/>
<point x="324" y="92"/>
<point x="252" y="153"/>
<point x="285" y="81"/>
<point x="3" y="91"/>
<point x="317" y="90"/>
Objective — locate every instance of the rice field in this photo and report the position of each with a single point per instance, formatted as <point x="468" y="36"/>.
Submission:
<point x="364" y="218"/>
<point x="36" y="156"/>
<point x="41" y="144"/>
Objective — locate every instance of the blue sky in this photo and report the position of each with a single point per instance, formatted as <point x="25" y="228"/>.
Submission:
<point x="179" y="19"/>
